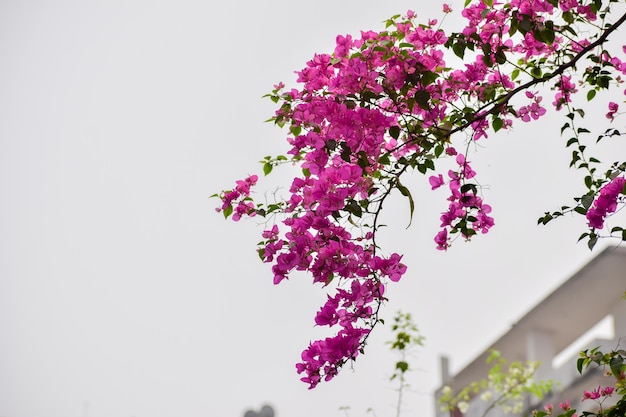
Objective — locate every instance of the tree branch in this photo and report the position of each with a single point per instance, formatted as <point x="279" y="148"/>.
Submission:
<point x="498" y="103"/>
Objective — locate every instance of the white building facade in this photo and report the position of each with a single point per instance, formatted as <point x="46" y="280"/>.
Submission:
<point x="590" y="296"/>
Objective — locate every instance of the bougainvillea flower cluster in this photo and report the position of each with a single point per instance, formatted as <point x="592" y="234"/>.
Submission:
<point x="605" y="203"/>
<point x="402" y="99"/>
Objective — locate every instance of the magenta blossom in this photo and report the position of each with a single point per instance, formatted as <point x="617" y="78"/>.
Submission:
<point x="436" y="181"/>
<point x="605" y="203"/>
<point x="441" y="239"/>
<point x="613" y="107"/>
<point x="383" y="103"/>
<point x="592" y="395"/>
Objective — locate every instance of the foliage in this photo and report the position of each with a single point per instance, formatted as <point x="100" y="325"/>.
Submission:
<point x="399" y="100"/>
<point x="510" y="387"/>
<point x="506" y="387"/>
<point x="613" y="363"/>
<point x="407" y="337"/>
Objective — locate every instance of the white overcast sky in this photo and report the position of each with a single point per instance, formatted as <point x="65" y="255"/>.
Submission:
<point x="122" y="292"/>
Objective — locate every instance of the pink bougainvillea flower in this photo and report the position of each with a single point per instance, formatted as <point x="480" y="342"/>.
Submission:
<point x="613" y="107"/>
<point x="441" y="239"/>
<point x="605" y="203"/>
<point x="436" y="181"/>
<point x="367" y="111"/>
<point x="591" y="395"/>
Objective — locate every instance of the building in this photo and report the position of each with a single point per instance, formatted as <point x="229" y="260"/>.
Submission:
<point x="588" y="297"/>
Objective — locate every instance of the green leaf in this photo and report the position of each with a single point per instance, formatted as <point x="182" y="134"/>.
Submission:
<point x="593" y="239"/>
<point x="591" y="94"/>
<point x="410" y="103"/>
<point x="459" y="48"/>
<point x="368" y="96"/>
<point x="402" y="366"/>
<point x="500" y="55"/>
<point x="548" y="36"/>
<point x="394" y="131"/>
<point x="362" y="160"/>
<point x="575" y="158"/>
<point x="228" y="210"/>
<point x="616" y="365"/>
<point x="603" y="82"/>
<point x="524" y="26"/>
<point x="346" y="152"/>
<point x="295" y="130"/>
<point x="568" y="17"/>
<point x="545" y="219"/>
<point x="497" y="124"/>
<point x="564" y="127"/>
<point x="487" y="61"/>
<point x="405" y="192"/>
<point x="354" y="208"/>
<point x="569" y="29"/>
<point x="422" y="97"/>
<point x="513" y="27"/>
<point x="587" y="201"/>
<point x="267" y="168"/>
<point x="428" y="77"/>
